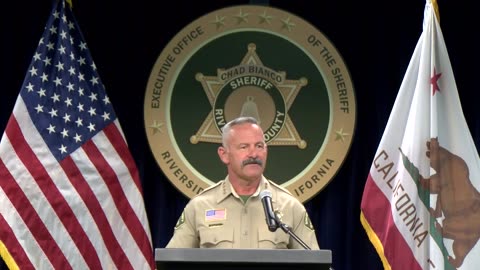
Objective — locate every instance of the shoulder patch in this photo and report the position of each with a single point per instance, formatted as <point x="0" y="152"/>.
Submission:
<point x="308" y="222"/>
<point x="181" y="220"/>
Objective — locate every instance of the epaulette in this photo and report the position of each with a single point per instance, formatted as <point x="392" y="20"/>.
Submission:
<point x="279" y="187"/>
<point x="209" y="188"/>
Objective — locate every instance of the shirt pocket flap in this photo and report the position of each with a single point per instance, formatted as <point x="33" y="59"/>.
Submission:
<point x="220" y="237"/>
<point x="268" y="239"/>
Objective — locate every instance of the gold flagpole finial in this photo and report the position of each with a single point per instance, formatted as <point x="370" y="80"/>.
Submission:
<point x="435" y="8"/>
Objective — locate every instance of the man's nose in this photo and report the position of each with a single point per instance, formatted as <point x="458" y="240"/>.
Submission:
<point x="253" y="152"/>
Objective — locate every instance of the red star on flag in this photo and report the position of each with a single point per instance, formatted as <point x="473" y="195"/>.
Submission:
<point x="434" y="81"/>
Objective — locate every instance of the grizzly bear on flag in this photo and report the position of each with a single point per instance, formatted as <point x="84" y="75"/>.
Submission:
<point x="458" y="200"/>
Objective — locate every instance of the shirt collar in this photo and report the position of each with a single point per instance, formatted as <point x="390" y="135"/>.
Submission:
<point x="226" y="189"/>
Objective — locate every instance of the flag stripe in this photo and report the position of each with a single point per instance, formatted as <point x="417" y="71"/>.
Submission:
<point x="51" y="192"/>
<point x="32" y="220"/>
<point x="97" y="213"/>
<point x="124" y="208"/>
<point x="395" y="248"/>
<point x="133" y="222"/>
<point x="107" y="174"/>
<point x="116" y="138"/>
<point x="20" y="254"/>
<point x="9" y="212"/>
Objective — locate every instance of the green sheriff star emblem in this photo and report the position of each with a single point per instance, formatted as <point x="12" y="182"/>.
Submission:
<point x="251" y="89"/>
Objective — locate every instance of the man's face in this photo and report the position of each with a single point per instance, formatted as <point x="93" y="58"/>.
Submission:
<point x="245" y="153"/>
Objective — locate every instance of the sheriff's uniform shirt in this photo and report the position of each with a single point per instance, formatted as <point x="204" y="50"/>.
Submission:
<point x="218" y="218"/>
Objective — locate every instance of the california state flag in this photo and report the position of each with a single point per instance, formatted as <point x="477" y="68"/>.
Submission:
<point x="421" y="205"/>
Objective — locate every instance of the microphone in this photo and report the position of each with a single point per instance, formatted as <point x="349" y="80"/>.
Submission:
<point x="273" y="221"/>
<point x="266" y="197"/>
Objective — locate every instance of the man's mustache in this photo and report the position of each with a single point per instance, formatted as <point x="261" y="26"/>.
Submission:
<point x="252" y="161"/>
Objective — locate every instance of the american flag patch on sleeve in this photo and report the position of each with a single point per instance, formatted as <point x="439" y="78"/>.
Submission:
<point x="215" y="214"/>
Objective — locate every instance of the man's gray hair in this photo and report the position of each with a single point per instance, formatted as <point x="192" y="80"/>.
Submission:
<point x="237" y="121"/>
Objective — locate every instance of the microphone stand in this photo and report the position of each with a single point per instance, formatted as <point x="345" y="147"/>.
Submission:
<point x="288" y="230"/>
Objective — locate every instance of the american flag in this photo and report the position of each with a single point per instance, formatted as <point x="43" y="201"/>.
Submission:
<point x="70" y="193"/>
<point x="215" y="214"/>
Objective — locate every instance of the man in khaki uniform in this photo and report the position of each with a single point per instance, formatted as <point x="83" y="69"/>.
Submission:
<point x="230" y="213"/>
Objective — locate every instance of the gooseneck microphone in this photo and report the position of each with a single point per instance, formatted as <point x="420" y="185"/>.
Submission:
<point x="273" y="221"/>
<point x="266" y="197"/>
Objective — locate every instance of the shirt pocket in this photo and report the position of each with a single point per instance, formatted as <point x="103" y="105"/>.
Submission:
<point x="218" y="237"/>
<point x="272" y="240"/>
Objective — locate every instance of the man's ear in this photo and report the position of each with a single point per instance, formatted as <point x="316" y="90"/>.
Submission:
<point x="223" y="154"/>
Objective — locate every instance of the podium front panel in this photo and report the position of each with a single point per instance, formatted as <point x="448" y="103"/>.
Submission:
<point x="236" y="259"/>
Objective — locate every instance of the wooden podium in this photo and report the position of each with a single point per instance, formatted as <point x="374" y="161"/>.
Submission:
<point x="251" y="259"/>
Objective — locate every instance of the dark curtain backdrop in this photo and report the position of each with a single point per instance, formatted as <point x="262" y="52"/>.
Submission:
<point x="375" y="38"/>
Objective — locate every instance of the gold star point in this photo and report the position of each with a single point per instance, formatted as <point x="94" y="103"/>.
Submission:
<point x="242" y="17"/>
<point x="219" y="21"/>
<point x="156" y="127"/>
<point x="340" y="135"/>
<point x="264" y="18"/>
<point x="287" y="24"/>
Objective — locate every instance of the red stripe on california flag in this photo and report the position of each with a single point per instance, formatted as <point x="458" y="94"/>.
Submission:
<point x="396" y="249"/>
<point x="32" y="220"/>
<point x="90" y="200"/>
<point x="52" y="194"/>
<point x="140" y="236"/>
